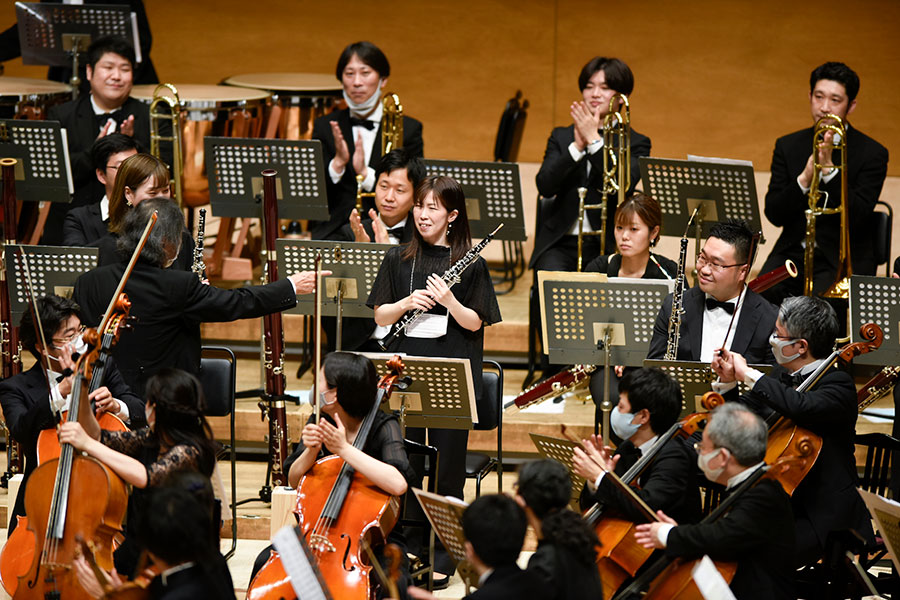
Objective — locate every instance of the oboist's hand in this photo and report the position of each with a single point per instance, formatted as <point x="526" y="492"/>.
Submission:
<point x="824" y="152"/>
<point x="646" y="533"/>
<point x="587" y="123"/>
<point x="359" y="232"/>
<point x="127" y="126"/>
<point x="440" y="291"/>
<point x="335" y="437"/>
<point x="305" y="281"/>
<point x="380" y="229"/>
<point x="419" y="299"/>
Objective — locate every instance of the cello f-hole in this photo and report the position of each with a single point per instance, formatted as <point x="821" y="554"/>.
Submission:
<point x="346" y="553"/>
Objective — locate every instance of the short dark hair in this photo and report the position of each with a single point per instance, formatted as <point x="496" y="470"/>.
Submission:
<point x="836" y="71"/>
<point x="109" y="44"/>
<point x="53" y="312"/>
<point x="737" y="233"/>
<point x="656" y="391"/>
<point x="167" y="231"/>
<point x="354" y="378"/>
<point x="108" y="145"/>
<point x="618" y="76"/>
<point x="401" y="159"/>
<point x="495" y="526"/>
<point x="175" y="526"/>
<point x="369" y="54"/>
<point x="810" y="318"/>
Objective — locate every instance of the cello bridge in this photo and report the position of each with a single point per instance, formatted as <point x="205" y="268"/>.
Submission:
<point x="321" y="543"/>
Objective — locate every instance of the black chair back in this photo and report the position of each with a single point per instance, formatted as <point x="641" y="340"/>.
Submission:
<point x="509" y="132"/>
<point x="491" y="397"/>
<point x="882" y="224"/>
<point x="218" y="385"/>
<point x="876" y="476"/>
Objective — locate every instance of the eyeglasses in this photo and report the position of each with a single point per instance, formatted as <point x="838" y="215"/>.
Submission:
<point x="69" y="338"/>
<point x="782" y="337"/>
<point x="702" y="261"/>
<point x="698" y="445"/>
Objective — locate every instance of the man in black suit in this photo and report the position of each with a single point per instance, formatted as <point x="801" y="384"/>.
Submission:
<point x="169" y="305"/>
<point x="649" y="404"/>
<point x="27" y="397"/>
<point x="826" y="500"/>
<point x="351" y="138"/>
<point x="107" y="109"/>
<point x="87" y="224"/>
<point x="833" y="87"/>
<point x="722" y="270"/>
<point x="757" y="532"/>
<point x="494" y="526"/>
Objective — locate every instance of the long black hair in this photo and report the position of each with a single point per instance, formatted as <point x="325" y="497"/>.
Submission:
<point x="546" y="488"/>
<point x="177" y="398"/>
<point x="449" y="194"/>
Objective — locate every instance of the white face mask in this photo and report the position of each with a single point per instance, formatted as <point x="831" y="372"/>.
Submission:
<point x="80" y="346"/>
<point x="365" y="107"/>
<point x="703" y="461"/>
<point x="778" y="346"/>
<point x="622" y="425"/>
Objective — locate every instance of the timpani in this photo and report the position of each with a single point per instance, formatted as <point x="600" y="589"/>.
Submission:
<point x="27" y="98"/>
<point x="297" y="100"/>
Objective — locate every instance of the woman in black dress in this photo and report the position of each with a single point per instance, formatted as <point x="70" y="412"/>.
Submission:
<point x="453" y="324"/>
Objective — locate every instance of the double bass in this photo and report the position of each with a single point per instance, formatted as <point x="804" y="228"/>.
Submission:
<point x="338" y="511"/>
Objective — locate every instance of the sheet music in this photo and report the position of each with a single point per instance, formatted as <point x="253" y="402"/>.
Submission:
<point x="709" y="581"/>
<point x="296" y="564"/>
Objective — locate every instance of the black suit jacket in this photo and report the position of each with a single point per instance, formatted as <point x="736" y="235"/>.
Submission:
<point x="758" y="533"/>
<point x="827" y="496"/>
<point x="26" y="408"/>
<point x="668" y="483"/>
<point x="509" y="583"/>
<point x="109" y="253"/>
<point x="560" y="177"/>
<point x="342" y="195"/>
<point x="83" y="226"/>
<point x="169" y="306"/>
<point x="751" y="336"/>
<point x="77" y="117"/>
<point x="786" y="203"/>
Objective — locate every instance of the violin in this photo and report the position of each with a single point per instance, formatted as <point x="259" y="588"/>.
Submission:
<point x="338" y="511"/>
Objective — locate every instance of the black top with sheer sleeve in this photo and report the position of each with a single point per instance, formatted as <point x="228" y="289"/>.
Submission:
<point x="143" y="445"/>
<point x="385" y="443"/>
<point x="611" y="263"/>
<point x="396" y="280"/>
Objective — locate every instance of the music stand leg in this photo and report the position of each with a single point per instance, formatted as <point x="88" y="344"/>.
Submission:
<point x="606" y="405"/>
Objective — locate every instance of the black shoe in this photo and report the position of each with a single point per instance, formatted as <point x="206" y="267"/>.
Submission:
<point x="440" y="583"/>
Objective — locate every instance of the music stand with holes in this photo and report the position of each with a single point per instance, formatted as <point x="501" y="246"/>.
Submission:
<point x="44" y="170"/>
<point x="723" y="191"/>
<point x="58" y="34"/>
<point x="561" y="450"/>
<point x="445" y="516"/>
<point x="876" y="300"/>
<point x="354" y="267"/>
<point x="53" y="270"/>
<point x="493" y="196"/>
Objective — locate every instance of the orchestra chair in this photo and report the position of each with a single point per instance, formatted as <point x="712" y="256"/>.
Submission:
<point x="217" y="378"/>
<point x="534" y="316"/>
<point x="509" y="132"/>
<point x="490" y="416"/>
<point x="876" y="478"/>
<point x="882" y="224"/>
<point x="421" y="571"/>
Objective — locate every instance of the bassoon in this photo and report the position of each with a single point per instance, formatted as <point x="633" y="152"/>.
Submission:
<point x="10" y="347"/>
<point x="273" y="334"/>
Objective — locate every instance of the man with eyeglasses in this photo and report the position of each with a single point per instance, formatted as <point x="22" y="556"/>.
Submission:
<point x="720" y="294"/>
<point x="29" y="399"/>
<point x="86" y="224"/>
<point x="757" y="532"/>
<point x="802" y="338"/>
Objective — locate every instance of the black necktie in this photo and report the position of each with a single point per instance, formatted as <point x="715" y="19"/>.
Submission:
<point x="712" y="303"/>
<point x="354" y="122"/>
<point x="396" y="232"/>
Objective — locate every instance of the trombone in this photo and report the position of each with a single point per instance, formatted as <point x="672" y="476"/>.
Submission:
<point x="616" y="167"/>
<point x="841" y="286"/>
<point x="166" y="93"/>
<point x="391" y="139"/>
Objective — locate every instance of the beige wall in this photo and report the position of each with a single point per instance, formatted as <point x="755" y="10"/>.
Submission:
<point x="712" y="78"/>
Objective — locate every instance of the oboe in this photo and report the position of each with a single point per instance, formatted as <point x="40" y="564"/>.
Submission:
<point x="678" y="298"/>
<point x="451" y="277"/>
<point x="199" y="267"/>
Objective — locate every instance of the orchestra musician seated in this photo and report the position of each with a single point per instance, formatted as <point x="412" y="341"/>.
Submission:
<point x="649" y="404"/>
<point x="170" y="304"/>
<point x="826" y="500"/>
<point x="27" y="406"/>
<point x="722" y="270"/>
<point x="494" y="527"/>
<point x="566" y="555"/>
<point x="758" y="530"/>
<point x="87" y="224"/>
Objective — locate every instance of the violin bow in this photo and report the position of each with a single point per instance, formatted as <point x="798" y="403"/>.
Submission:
<point x="317" y="350"/>
<point x="134" y="258"/>
<point x="36" y="320"/>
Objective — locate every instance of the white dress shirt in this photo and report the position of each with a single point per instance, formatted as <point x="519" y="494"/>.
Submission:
<point x="368" y="141"/>
<point x="715" y="324"/>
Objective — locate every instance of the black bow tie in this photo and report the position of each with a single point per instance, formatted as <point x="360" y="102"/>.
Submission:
<point x="104" y="117"/>
<point x="792" y="380"/>
<point x="354" y="122"/>
<point x="396" y="232"/>
<point x="712" y="303"/>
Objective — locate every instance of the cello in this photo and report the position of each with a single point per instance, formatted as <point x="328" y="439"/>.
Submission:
<point x="338" y="510"/>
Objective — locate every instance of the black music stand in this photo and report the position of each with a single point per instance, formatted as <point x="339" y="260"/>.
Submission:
<point x="876" y="300"/>
<point x="53" y="270"/>
<point x="440" y="395"/>
<point x="722" y="190"/>
<point x="43" y="170"/>
<point x="445" y="515"/>
<point x="234" y="167"/>
<point x="354" y="267"/>
<point x="57" y="34"/>
<point x="561" y="450"/>
<point x="493" y="196"/>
